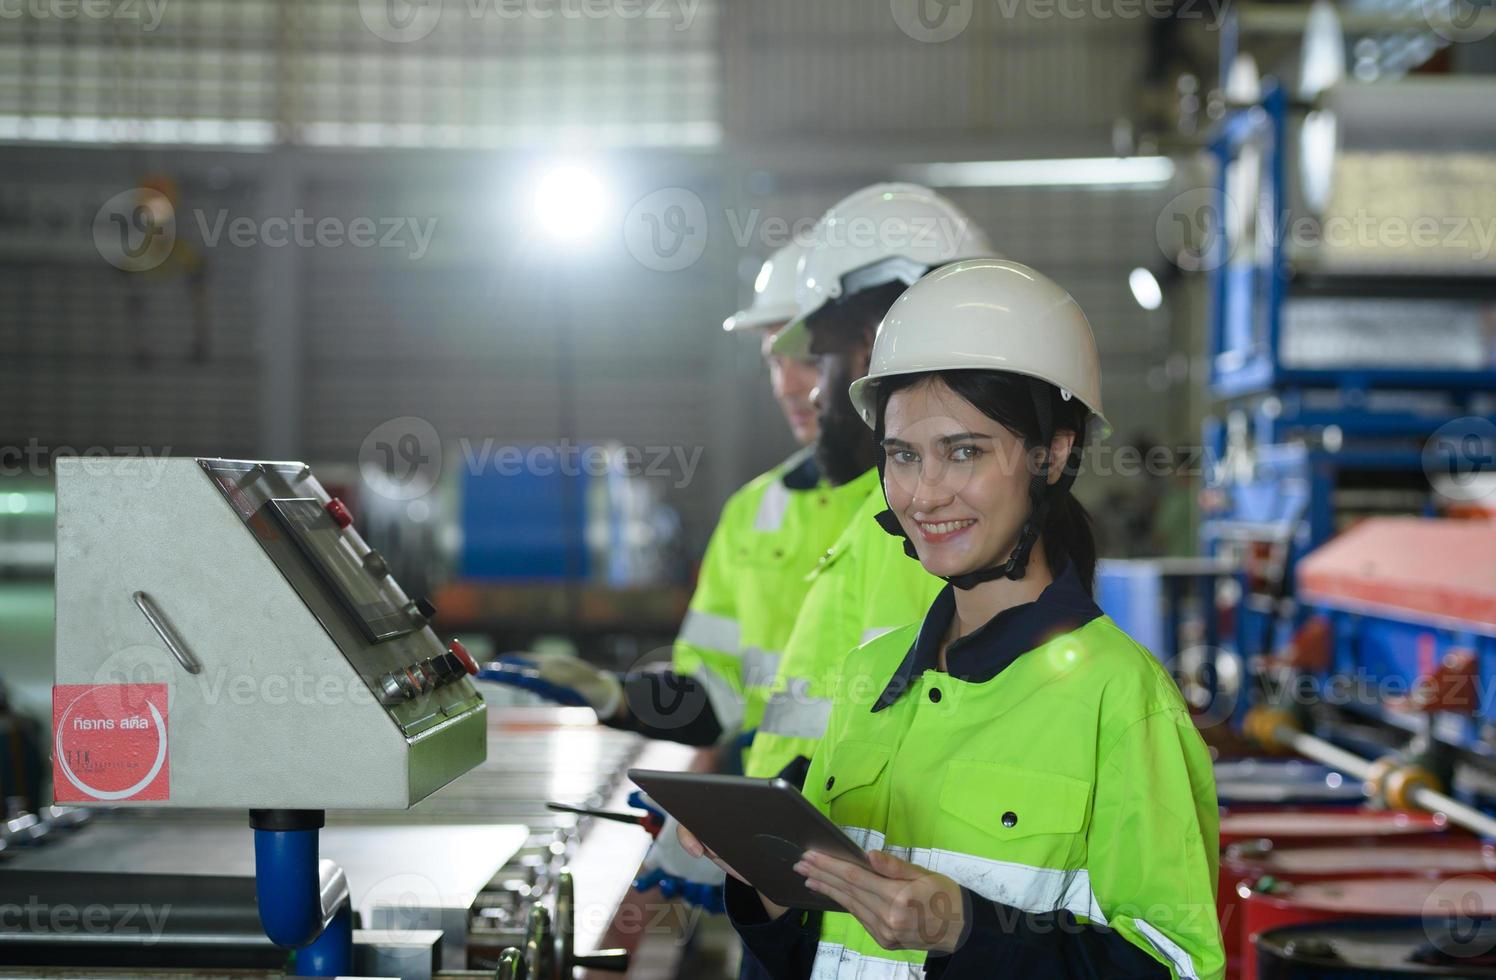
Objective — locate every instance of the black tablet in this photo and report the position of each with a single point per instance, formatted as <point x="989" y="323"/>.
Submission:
<point x="759" y="826"/>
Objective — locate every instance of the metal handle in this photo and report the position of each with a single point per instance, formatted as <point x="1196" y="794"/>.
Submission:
<point x="511" y="966"/>
<point x="1332" y="755"/>
<point x="167" y="633"/>
<point x="611" y="960"/>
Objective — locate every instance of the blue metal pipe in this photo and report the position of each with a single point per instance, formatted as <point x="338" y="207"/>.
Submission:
<point x="288" y="886"/>
<point x="330" y="954"/>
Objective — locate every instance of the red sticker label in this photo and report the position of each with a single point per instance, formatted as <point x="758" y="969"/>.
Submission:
<point x="109" y="743"/>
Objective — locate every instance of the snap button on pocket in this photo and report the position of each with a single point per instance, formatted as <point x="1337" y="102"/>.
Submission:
<point x="1010" y="819"/>
<point x="830" y="781"/>
<point x="935" y="694"/>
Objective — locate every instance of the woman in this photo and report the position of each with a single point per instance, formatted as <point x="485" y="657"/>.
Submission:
<point x="1033" y="795"/>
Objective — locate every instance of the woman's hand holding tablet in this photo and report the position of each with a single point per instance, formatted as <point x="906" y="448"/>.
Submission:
<point x="757" y="830"/>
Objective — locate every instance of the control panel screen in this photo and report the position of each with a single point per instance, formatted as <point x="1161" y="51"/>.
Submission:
<point x="320" y="540"/>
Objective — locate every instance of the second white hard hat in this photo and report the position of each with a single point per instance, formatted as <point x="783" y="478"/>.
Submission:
<point x="881" y="234"/>
<point x="986" y="314"/>
<point x="773" y="292"/>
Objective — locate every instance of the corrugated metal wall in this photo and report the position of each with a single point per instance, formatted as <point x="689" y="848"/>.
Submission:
<point x="310" y="348"/>
<point x="1018" y="76"/>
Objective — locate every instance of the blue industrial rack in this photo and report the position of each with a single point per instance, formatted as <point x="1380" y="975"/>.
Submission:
<point x="1307" y="428"/>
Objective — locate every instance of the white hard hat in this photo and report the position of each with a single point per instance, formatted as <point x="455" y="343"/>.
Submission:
<point x="990" y="315"/>
<point x="881" y="234"/>
<point x="773" y="292"/>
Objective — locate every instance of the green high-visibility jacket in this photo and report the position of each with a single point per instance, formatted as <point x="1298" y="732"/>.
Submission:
<point x="1055" y="775"/>
<point x="865" y="584"/>
<point x="752" y="582"/>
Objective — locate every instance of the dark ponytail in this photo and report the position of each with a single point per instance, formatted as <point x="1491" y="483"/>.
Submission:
<point x="1007" y="399"/>
<point x="1068" y="537"/>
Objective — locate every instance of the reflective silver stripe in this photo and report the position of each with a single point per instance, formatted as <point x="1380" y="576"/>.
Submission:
<point x="711" y="632"/>
<point x="1021" y="886"/>
<point x="875" y="632"/>
<point x="793" y="713"/>
<point x="836" y="962"/>
<point x="726" y="704"/>
<point x="1171" y="951"/>
<point x="760" y="667"/>
<point x="771" y="508"/>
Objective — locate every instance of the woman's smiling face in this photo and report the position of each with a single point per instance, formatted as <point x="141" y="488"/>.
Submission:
<point x="956" y="479"/>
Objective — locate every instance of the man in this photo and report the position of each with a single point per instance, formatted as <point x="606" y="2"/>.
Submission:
<point x="752" y="578"/>
<point x="866" y="250"/>
<point x="870" y="247"/>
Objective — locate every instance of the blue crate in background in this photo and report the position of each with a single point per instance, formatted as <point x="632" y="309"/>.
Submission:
<point x="577" y="513"/>
<point x="528" y="526"/>
<point x="1132" y="594"/>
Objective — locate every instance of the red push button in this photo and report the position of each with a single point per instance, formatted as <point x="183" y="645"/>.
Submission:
<point x="339" y="512"/>
<point x="461" y="653"/>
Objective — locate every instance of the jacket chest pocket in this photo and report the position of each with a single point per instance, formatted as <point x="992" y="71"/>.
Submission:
<point x="767" y="551"/>
<point x="848" y="787"/>
<point x="1013" y="813"/>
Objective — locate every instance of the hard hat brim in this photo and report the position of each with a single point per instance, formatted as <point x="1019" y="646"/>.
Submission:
<point x="793" y="341"/>
<point x="864" y="394"/>
<point x="756" y="317"/>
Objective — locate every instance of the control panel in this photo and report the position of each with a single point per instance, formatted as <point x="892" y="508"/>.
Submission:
<point x="225" y="637"/>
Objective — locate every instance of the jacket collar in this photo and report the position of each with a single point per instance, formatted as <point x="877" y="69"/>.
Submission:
<point x="801" y="471"/>
<point x="1062" y="607"/>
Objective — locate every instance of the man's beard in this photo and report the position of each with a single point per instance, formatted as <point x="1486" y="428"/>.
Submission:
<point x="845" y="449"/>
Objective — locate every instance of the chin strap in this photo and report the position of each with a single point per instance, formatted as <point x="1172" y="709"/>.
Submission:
<point x="1041" y="495"/>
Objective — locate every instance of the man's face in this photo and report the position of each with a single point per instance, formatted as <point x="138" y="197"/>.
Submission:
<point x="792" y="381"/>
<point x="846" y="445"/>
